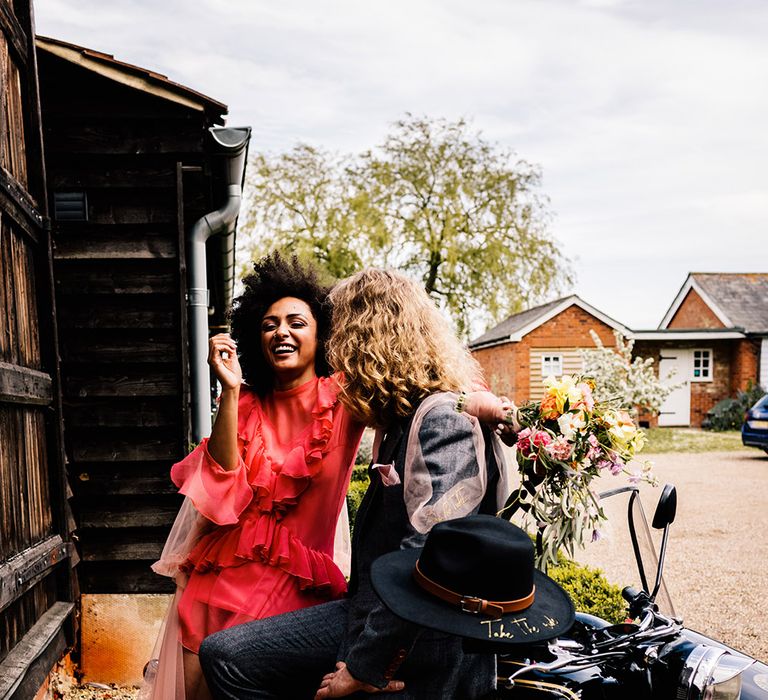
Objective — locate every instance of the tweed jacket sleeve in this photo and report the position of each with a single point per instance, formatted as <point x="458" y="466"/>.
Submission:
<point x="450" y="456"/>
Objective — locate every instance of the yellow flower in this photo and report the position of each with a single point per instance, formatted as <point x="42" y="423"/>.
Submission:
<point x="563" y="389"/>
<point x="623" y="428"/>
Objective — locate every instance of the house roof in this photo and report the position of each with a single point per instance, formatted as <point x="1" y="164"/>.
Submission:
<point x="739" y="300"/>
<point x="518" y="325"/>
<point x="128" y="74"/>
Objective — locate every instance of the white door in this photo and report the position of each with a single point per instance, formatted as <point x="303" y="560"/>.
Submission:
<point x="676" y="409"/>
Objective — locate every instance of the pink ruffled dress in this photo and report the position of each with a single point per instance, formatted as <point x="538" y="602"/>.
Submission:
<point x="276" y="512"/>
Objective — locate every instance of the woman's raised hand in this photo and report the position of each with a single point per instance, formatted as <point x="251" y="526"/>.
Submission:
<point x="222" y="357"/>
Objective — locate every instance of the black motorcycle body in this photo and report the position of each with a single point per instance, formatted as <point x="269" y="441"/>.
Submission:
<point x="654" y="656"/>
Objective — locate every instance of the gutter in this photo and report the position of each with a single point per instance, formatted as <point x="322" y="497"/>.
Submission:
<point x="232" y="144"/>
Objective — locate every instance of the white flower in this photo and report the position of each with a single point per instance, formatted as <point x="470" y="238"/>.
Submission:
<point x="571" y="423"/>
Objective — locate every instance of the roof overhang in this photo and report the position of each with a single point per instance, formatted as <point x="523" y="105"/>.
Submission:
<point x="719" y="334"/>
<point x="566" y="303"/>
<point x="689" y="284"/>
<point x="130" y="75"/>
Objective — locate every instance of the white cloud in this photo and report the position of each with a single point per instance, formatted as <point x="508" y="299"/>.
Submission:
<point x="647" y="117"/>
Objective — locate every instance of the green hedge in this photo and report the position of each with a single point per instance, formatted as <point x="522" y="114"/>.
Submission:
<point x="588" y="588"/>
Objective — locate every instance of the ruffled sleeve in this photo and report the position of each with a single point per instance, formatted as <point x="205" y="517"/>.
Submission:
<point x="218" y="494"/>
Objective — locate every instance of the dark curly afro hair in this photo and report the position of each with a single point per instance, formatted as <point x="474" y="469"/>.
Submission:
<point x="275" y="277"/>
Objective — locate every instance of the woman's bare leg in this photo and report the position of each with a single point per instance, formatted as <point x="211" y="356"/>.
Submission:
<point x="195" y="686"/>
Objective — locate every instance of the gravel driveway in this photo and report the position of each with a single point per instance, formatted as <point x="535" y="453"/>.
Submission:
<point x="716" y="567"/>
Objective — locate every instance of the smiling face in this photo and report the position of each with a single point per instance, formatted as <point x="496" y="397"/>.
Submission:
<point x="289" y="341"/>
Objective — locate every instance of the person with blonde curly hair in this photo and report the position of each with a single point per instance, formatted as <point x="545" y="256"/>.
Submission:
<point x="401" y="369"/>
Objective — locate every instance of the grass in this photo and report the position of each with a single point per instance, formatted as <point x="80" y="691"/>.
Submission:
<point x="691" y="440"/>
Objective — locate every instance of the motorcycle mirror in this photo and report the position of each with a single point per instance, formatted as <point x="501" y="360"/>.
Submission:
<point x="663" y="517"/>
<point x="666" y="508"/>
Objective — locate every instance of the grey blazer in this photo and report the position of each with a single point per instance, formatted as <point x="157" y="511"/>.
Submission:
<point x="381" y="646"/>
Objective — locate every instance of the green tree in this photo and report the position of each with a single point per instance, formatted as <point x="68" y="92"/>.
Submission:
<point x="434" y="200"/>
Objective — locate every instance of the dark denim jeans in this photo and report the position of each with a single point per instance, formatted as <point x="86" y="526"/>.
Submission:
<point x="279" y="657"/>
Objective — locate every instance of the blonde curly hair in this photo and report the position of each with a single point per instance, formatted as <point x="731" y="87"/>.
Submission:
<point x="393" y="347"/>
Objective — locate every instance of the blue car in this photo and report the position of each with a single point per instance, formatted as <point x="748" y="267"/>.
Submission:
<point x="754" y="431"/>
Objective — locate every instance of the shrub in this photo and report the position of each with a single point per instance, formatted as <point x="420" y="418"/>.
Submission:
<point x="728" y="414"/>
<point x="589" y="590"/>
<point x="357" y="489"/>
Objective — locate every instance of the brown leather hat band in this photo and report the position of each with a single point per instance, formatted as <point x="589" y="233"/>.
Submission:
<point x="471" y="604"/>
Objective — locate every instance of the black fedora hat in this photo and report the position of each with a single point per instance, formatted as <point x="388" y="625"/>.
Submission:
<point x="474" y="578"/>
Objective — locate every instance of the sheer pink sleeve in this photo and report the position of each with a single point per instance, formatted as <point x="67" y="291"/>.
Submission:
<point x="218" y="494"/>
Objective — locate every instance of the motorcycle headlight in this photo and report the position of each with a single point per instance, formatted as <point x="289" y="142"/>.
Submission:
<point x="710" y="673"/>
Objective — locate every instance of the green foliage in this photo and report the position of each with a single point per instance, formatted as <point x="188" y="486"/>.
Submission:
<point x="433" y="200"/>
<point x="728" y="414"/>
<point x="691" y="440"/>
<point x="357" y="489"/>
<point x="589" y="590"/>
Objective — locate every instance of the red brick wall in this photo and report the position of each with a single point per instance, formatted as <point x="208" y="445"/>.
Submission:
<point x="704" y="395"/>
<point x="507" y="366"/>
<point x="745" y="364"/>
<point x="694" y="313"/>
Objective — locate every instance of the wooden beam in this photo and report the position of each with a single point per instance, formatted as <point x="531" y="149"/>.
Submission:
<point x="20" y="573"/>
<point x="39" y="648"/>
<point x="24" y="385"/>
<point x="14" y="32"/>
<point x="17" y="204"/>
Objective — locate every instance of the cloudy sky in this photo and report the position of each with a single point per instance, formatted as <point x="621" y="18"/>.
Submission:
<point x="649" y="118"/>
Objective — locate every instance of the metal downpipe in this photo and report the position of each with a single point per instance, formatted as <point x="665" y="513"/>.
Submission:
<point x="233" y="145"/>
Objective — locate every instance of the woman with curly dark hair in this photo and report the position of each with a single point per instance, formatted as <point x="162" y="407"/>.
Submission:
<point x="281" y="440"/>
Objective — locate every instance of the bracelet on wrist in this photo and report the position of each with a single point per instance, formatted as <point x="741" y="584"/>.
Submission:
<point x="461" y="400"/>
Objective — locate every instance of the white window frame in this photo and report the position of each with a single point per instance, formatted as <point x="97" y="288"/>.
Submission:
<point x="549" y="359"/>
<point x="710" y="369"/>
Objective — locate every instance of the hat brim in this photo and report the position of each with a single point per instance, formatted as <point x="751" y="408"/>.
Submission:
<point x="551" y="614"/>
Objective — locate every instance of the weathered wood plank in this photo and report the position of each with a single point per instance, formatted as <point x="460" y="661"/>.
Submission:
<point x="33" y="646"/>
<point x="13" y="31"/>
<point x="120" y="137"/>
<point x="146" y="277"/>
<point x="121" y="516"/>
<point x="96" y="172"/>
<point x="126" y="413"/>
<point x="116" y="313"/>
<point x="100" y="448"/>
<point x="19" y="573"/>
<point x="127" y="383"/>
<point x="140" y="549"/>
<point x="24" y="385"/>
<point x="90" y="346"/>
<point x="123" y="577"/>
<point x="111" y="485"/>
<point x="109" y="243"/>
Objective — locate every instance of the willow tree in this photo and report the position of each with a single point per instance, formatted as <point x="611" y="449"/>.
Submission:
<point x="434" y="200"/>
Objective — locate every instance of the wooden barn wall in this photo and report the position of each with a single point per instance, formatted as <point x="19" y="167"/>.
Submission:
<point x="36" y="584"/>
<point x="120" y="296"/>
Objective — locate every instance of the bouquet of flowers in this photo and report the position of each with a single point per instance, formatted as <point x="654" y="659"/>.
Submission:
<point x="567" y="440"/>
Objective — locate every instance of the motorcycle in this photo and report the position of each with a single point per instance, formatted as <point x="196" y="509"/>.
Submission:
<point x="652" y="655"/>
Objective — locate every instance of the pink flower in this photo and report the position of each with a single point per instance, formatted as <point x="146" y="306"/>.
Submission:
<point x="617" y="467"/>
<point x="588" y="401"/>
<point x="594" y="450"/>
<point x="541" y="439"/>
<point x="524" y="441"/>
<point x="560" y="448"/>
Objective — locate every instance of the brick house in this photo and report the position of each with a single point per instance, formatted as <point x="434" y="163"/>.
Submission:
<point x="714" y="338"/>
<point x="518" y="353"/>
